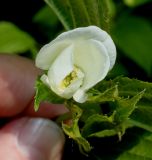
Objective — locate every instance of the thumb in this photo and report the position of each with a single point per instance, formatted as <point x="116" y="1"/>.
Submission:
<point x="31" y="139"/>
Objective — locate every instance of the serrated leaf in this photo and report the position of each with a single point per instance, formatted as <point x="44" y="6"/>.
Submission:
<point x="43" y="93"/>
<point x="109" y="95"/>
<point x="98" y="123"/>
<point x="73" y="131"/>
<point x="15" y="41"/>
<point x="125" y="107"/>
<point x="78" y="13"/>
<point x="129" y="88"/>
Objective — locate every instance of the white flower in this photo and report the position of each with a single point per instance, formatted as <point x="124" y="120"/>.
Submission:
<point x="77" y="60"/>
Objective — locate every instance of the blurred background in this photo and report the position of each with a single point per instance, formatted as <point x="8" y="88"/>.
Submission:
<point x="27" y="25"/>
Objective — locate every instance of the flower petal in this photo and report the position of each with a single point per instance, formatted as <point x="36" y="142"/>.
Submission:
<point x="84" y="33"/>
<point x="60" y="68"/>
<point x="72" y="88"/>
<point x="45" y="80"/>
<point x="48" y="53"/>
<point x="91" y="32"/>
<point x="111" y="49"/>
<point x="92" y="58"/>
<point x="80" y="96"/>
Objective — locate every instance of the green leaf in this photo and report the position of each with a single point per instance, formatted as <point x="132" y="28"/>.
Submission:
<point x="108" y="95"/>
<point x="78" y="13"/>
<point x="63" y="11"/>
<point x="89" y="109"/>
<point x="132" y="88"/>
<point x="46" y="17"/>
<point x="140" y="151"/>
<point x="142" y="117"/>
<point x="47" y="21"/>
<point x="134" y="3"/>
<point x="99" y="125"/>
<point x="104" y="133"/>
<point x="133" y="35"/>
<point x="43" y="93"/>
<point x="73" y="130"/>
<point x="125" y="107"/>
<point x="14" y="41"/>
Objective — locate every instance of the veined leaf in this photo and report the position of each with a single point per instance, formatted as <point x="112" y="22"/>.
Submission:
<point x="15" y="41"/>
<point x="130" y="88"/>
<point x="80" y="13"/>
<point x="63" y="11"/>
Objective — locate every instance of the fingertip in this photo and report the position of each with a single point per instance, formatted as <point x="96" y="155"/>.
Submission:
<point x="31" y="138"/>
<point x="17" y="77"/>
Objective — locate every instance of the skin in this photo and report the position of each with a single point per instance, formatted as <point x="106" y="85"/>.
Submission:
<point x="24" y="133"/>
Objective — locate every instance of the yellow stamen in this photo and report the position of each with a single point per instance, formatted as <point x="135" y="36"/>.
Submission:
<point x="70" y="78"/>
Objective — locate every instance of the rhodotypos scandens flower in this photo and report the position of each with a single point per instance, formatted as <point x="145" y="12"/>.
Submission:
<point x="76" y="60"/>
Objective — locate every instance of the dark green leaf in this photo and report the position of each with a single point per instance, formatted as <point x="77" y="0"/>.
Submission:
<point x="78" y="13"/>
<point x="63" y="11"/>
<point x="89" y="109"/>
<point x="125" y="107"/>
<point x="130" y="88"/>
<point x="140" y="151"/>
<point x="47" y="21"/>
<point x="98" y="125"/>
<point x="133" y="35"/>
<point x="46" y="16"/>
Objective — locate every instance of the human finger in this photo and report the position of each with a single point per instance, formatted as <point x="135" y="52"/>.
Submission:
<point x="17" y="76"/>
<point x="31" y="139"/>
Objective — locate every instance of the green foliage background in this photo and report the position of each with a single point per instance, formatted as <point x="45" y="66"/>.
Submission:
<point x="130" y="24"/>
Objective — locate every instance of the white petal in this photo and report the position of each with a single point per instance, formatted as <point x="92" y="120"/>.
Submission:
<point x="72" y="88"/>
<point x="48" y="53"/>
<point x="85" y="33"/>
<point x="91" y="32"/>
<point x="92" y="58"/>
<point x="61" y="67"/>
<point x="80" y="96"/>
<point x="45" y="80"/>
<point x="111" y="49"/>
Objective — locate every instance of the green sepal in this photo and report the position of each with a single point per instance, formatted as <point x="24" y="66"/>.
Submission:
<point x="73" y="130"/>
<point x="44" y="94"/>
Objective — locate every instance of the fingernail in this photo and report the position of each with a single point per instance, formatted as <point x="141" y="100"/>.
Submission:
<point x="40" y="139"/>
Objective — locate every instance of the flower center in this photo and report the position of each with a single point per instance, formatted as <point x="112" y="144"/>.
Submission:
<point x="75" y="75"/>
